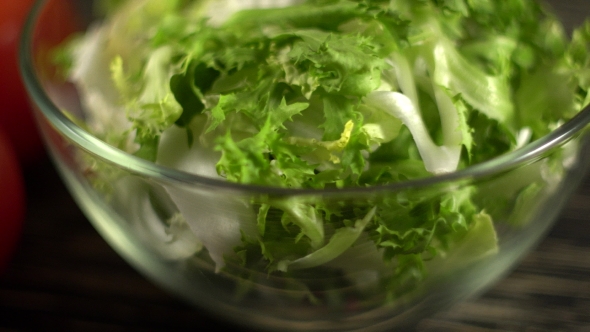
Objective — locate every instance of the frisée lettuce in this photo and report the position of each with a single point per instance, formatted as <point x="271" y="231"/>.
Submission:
<point x="323" y="94"/>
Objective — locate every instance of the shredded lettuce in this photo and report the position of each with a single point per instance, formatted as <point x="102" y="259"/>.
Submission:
<point x="329" y="94"/>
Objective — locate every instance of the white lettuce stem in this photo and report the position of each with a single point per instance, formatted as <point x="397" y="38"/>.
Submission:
<point x="405" y="78"/>
<point x="437" y="159"/>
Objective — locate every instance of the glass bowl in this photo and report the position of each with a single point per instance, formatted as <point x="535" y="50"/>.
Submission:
<point x="151" y="214"/>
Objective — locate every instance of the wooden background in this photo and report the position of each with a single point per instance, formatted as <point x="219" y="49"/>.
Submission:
<point x="64" y="277"/>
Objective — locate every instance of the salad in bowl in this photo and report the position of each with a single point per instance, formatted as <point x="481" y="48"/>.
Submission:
<point x="319" y="164"/>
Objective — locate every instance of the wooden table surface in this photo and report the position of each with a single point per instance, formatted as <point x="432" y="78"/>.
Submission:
<point x="65" y="277"/>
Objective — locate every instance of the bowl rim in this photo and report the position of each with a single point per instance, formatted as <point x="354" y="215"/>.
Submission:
<point x="91" y="144"/>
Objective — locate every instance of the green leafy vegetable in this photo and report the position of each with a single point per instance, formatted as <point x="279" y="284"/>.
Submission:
<point x="329" y="94"/>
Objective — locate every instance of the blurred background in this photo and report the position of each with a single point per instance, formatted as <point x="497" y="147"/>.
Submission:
<point x="57" y="273"/>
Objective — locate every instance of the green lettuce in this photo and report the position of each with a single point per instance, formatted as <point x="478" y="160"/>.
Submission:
<point x="324" y="94"/>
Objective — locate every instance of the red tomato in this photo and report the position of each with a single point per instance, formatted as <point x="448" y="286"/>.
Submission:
<point x="12" y="201"/>
<point x="16" y="118"/>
